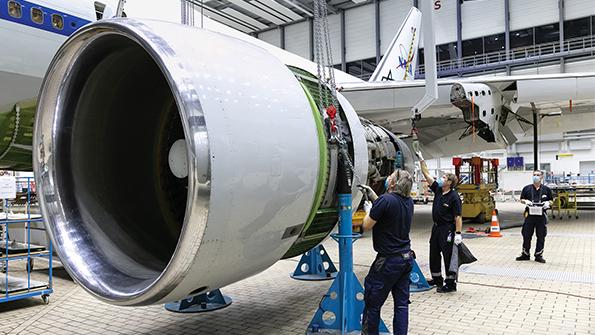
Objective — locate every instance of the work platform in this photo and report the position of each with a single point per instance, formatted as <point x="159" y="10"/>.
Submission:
<point x="584" y="194"/>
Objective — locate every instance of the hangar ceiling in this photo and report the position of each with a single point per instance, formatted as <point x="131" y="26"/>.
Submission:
<point x="253" y="16"/>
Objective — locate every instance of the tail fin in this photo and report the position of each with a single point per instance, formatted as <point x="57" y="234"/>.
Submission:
<point x="400" y="59"/>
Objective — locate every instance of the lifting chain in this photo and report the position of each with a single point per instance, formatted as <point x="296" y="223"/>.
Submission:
<point x="323" y="57"/>
<point x="324" y="66"/>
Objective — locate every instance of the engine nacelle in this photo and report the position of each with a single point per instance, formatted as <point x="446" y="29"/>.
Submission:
<point x="171" y="160"/>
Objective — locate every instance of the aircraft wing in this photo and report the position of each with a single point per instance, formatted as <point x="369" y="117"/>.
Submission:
<point x="479" y="113"/>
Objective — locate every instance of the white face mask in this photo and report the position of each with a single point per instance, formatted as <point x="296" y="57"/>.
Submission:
<point x="536" y="179"/>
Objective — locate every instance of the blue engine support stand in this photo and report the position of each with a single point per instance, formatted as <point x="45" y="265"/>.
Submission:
<point x="417" y="281"/>
<point x="315" y="264"/>
<point x="340" y="310"/>
<point x="206" y="302"/>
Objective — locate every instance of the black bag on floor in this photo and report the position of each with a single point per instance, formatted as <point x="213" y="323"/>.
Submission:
<point x="460" y="255"/>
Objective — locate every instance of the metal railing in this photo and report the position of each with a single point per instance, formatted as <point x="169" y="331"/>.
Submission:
<point x="573" y="180"/>
<point x="535" y="53"/>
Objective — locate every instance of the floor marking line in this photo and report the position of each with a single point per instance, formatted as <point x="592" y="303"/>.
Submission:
<point x="23" y="326"/>
<point x="528" y="289"/>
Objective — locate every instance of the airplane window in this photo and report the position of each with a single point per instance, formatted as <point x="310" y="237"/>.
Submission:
<point x="57" y="21"/>
<point x="484" y="113"/>
<point x="37" y="15"/>
<point x="489" y="92"/>
<point x="476" y="93"/>
<point x="492" y="111"/>
<point x="15" y="9"/>
<point x="470" y="94"/>
<point x="483" y="92"/>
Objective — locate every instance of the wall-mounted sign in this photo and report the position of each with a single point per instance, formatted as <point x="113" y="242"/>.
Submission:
<point x="8" y="187"/>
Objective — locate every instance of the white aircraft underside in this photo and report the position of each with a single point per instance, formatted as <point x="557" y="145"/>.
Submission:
<point x="443" y="124"/>
<point x="26" y="54"/>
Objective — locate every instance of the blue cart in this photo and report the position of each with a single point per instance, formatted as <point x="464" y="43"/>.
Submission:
<point x="14" y="287"/>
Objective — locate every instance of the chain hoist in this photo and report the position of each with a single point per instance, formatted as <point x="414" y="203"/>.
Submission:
<point x="327" y="86"/>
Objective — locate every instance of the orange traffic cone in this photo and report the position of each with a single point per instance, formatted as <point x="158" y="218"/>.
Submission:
<point x="495" y="227"/>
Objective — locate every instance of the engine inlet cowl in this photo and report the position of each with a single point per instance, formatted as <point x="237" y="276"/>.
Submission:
<point x="134" y="226"/>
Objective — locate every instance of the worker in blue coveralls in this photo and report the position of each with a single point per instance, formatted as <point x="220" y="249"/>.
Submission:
<point x="448" y="222"/>
<point x="539" y="197"/>
<point x="389" y="217"/>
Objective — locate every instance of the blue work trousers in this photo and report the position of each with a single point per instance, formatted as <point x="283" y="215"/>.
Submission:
<point x="387" y="275"/>
<point x="441" y="242"/>
<point x="538" y="225"/>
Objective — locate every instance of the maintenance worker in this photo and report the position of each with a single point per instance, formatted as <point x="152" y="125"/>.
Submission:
<point x="448" y="223"/>
<point x="540" y="196"/>
<point x="390" y="218"/>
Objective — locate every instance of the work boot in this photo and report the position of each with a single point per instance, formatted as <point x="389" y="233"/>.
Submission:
<point x="539" y="259"/>
<point x="447" y="288"/>
<point x="524" y="257"/>
<point x="435" y="281"/>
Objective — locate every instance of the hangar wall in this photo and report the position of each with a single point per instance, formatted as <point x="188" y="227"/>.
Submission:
<point x="530" y="13"/>
<point x="578" y="8"/>
<point x="334" y="22"/>
<point x="359" y="33"/>
<point x="273" y="37"/>
<point x="296" y="41"/>
<point x="483" y="18"/>
<point x="580" y="151"/>
<point x="483" y="24"/>
<point x="479" y="18"/>
<point x="445" y="20"/>
<point x="392" y="15"/>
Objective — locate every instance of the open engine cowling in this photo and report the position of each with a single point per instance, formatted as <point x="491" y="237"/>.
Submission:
<point x="172" y="160"/>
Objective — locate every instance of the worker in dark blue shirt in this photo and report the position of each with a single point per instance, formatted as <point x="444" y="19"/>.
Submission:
<point x="389" y="218"/>
<point x="537" y="198"/>
<point x="448" y="222"/>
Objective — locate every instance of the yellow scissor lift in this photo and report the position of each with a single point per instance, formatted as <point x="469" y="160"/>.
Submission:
<point x="478" y="180"/>
<point x="564" y="200"/>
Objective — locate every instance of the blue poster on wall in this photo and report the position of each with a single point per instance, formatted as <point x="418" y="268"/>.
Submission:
<point x="515" y="163"/>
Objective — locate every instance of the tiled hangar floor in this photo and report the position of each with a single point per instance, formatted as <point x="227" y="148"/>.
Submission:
<point x="496" y="295"/>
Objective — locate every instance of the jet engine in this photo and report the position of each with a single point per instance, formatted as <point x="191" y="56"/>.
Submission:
<point x="172" y="160"/>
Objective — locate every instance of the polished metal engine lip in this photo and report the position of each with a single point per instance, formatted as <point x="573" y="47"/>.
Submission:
<point x="50" y="112"/>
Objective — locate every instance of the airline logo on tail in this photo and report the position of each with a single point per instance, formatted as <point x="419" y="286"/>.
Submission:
<point x="407" y="55"/>
<point x="400" y="60"/>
